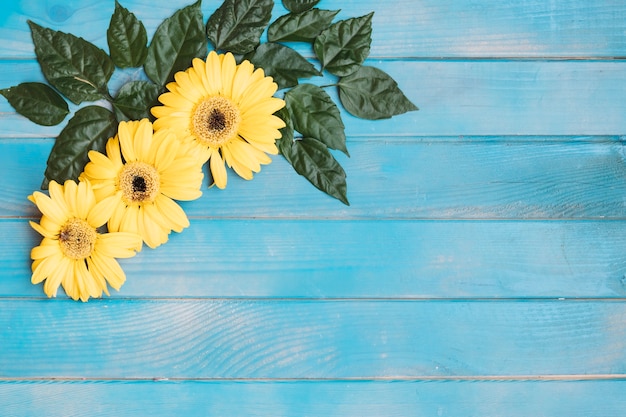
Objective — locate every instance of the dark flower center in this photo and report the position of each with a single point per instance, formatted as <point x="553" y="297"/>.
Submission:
<point x="217" y="120"/>
<point x="139" y="185"/>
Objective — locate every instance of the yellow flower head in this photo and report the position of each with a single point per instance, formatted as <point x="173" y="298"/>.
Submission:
<point x="72" y="252"/>
<point x="145" y="172"/>
<point x="227" y="111"/>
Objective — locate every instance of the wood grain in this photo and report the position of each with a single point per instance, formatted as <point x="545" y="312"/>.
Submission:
<point x="315" y="398"/>
<point x="309" y="339"/>
<point x="410" y="178"/>
<point x="360" y="259"/>
<point x="424" y="28"/>
<point x="457" y="98"/>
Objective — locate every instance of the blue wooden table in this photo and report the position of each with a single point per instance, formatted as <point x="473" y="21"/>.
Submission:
<point x="480" y="269"/>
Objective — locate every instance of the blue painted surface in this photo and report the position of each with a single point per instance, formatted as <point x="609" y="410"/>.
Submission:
<point x="479" y="271"/>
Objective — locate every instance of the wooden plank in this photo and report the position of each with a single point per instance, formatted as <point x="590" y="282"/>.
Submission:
<point x="400" y="259"/>
<point x="411" y="178"/>
<point x="489" y="97"/>
<point x="310" y="339"/>
<point x="428" y="28"/>
<point x="327" y="398"/>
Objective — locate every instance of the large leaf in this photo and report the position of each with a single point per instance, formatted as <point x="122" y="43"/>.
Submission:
<point x="77" y="68"/>
<point x="302" y="27"/>
<point x="127" y="38"/>
<point x="89" y="129"/>
<point x="315" y="115"/>
<point x="177" y="40"/>
<point x="343" y="47"/>
<point x="299" y="6"/>
<point x="311" y="159"/>
<point x="237" y="25"/>
<point x="372" y="94"/>
<point x="284" y="64"/>
<point x="134" y="100"/>
<point x="38" y="102"/>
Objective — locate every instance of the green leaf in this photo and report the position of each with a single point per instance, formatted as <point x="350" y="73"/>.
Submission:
<point x="75" y="67"/>
<point x="237" y="25"/>
<point x="311" y="159"/>
<point x="38" y="102"/>
<point x="134" y="100"/>
<point x="372" y="94"/>
<point x="315" y="115"/>
<point x="89" y="129"/>
<point x="177" y="40"/>
<point x="299" y="6"/>
<point x="343" y="47"/>
<point x="127" y="38"/>
<point x="287" y="134"/>
<point x="284" y="64"/>
<point x="302" y="27"/>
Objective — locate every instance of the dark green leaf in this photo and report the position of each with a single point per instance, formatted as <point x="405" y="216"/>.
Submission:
<point x="77" y="68"/>
<point x="134" y="100"/>
<point x="38" y="102"/>
<point x="177" y="40"/>
<point x="344" y="45"/>
<point x="372" y="94"/>
<point x="89" y="129"/>
<point x="127" y="38"/>
<point x="302" y="27"/>
<point x="315" y="115"/>
<point x="237" y="25"/>
<point x="284" y="64"/>
<point x="287" y="134"/>
<point x="312" y="160"/>
<point x="299" y="6"/>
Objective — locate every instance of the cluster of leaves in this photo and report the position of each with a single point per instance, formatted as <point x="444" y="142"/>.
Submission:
<point x="81" y="72"/>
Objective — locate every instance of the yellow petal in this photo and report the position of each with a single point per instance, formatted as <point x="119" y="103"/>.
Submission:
<point x="143" y="139"/>
<point x="44" y="268"/>
<point x="102" y="211"/>
<point x="110" y="269"/>
<point x="228" y="74"/>
<point x="172" y="212"/>
<point x="97" y="275"/>
<point x="41" y="230"/>
<point x="126" y="142"/>
<point x="51" y="209"/>
<point x="214" y="73"/>
<point x="115" y="222"/>
<point x="114" y="153"/>
<point x="218" y="170"/>
<point x="86" y="199"/>
<point x="130" y="219"/>
<point x="48" y="247"/>
<point x="118" y="244"/>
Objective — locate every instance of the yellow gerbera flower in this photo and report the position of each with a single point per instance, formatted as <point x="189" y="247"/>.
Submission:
<point x="145" y="172"/>
<point x="72" y="253"/>
<point x="227" y="111"/>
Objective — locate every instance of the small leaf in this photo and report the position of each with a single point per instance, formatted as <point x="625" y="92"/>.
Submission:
<point x="315" y="115"/>
<point x="38" y="102"/>
<point x="344" y="45"/>
<point x="237" y="25"/>
<point x="311" y="159"/>
<point x="284" y="64"/>
<point x="127" y="38"/>
<point x="372" y="94"/>
<point x="302" y="27"/>
<point x="299" y="6"/>
<point x="89" y="129"/>
<point x="75" y="67"/>
<point x="287" y="134"/>
<point x="177" y="40"/>
<point x="134" y="100"/>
